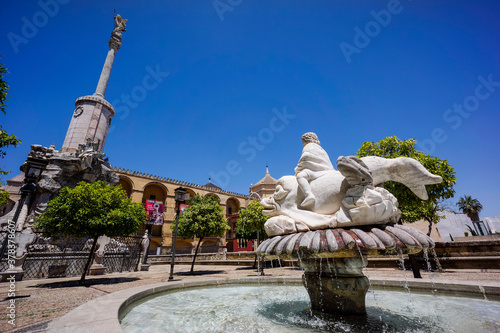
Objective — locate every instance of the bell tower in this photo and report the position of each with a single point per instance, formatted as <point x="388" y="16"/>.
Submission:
<point x="93" y="114"/>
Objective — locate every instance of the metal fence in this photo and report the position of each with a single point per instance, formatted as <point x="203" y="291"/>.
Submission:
<point x="62" y="256"/>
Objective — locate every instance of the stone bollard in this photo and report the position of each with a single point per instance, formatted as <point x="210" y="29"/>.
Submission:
<point x="97" y="267"/>
<point x="143" y="260"/>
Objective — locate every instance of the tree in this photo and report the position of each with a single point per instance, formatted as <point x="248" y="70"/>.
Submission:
<point x="4" y="197"/>
<point x="91" y="210"/>
<point x="250" y="221"/>
<point x="412" y="208"/>
<point x="204" y="217"/>
<point x="250" y="225"/>
<point x="470" y="207"/>
<point x="5" y="139"/>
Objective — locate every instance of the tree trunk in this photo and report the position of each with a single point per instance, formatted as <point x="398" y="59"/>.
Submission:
<point x="89" y="260"/>
<point x="430" y="228"/>
<point x="414" y="266"/>
<point x="195" y="253"/>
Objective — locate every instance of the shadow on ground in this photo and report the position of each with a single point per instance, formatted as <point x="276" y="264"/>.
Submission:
<point x="41" y="327"/>
<point x="207" y="272"/>
<point x="88" y="282"/>
<point x="245" y="268"/>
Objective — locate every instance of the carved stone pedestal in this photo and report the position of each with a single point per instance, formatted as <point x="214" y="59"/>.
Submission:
<point x="333" y="260"/>
<point x="97" y="267"/>
<point x="97" y="270"/>
<point x="336" y="285"/>
<point x="144" y="267"/>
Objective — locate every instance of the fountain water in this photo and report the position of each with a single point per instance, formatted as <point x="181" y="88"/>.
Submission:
<point x="286" y="308"/>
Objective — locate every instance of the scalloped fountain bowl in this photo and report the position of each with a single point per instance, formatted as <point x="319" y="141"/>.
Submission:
<point x="333" y="260"/>
<point x="262" y="306"/>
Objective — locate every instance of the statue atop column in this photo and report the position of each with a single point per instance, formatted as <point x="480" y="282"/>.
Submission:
<point x="115" y="42"/>
<point x="120" y="23"/>
<point x="92" y="116"/>
<point x="116" y="35"/>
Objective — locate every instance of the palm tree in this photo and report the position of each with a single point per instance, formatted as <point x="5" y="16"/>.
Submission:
<point x="470" y="207"/>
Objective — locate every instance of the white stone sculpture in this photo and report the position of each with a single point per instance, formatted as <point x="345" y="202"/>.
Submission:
<point x="320" y="197"/>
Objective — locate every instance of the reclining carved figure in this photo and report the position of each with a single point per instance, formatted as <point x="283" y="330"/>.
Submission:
<point x="320" y="197"/>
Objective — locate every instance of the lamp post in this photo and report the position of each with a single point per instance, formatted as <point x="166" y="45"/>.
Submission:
<point x="33" y="169"/>
<point x="181" y="195"/>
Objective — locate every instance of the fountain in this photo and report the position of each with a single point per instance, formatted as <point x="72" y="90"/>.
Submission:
<point x="332" y="220"/>
<point x="286" y="308"/>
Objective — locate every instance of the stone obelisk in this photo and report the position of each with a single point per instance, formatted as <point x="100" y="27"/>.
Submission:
<point x="92" y="115"/>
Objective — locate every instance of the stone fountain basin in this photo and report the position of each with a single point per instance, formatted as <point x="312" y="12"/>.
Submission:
<point x="342" y="243"/>
<point x="104" y="313"/>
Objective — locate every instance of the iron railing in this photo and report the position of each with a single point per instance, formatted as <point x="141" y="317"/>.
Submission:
<point x="66" y="256"/>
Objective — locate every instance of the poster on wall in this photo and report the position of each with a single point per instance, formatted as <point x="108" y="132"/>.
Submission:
<point x="154" y="211"/>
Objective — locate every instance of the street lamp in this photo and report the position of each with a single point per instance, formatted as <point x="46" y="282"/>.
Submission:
<point x="181" y="195"/>
<point x="33" y="168"/>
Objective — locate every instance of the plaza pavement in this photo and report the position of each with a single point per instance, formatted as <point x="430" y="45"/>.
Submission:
<point x="39" y="302"/>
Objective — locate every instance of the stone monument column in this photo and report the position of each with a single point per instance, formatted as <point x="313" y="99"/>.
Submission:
<point x="93" y="114"/>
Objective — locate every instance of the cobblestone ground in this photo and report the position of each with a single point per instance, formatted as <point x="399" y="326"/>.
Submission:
<point x="38" y="302"/>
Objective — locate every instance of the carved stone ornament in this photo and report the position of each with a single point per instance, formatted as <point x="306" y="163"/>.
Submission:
<point x="78" y="111"/>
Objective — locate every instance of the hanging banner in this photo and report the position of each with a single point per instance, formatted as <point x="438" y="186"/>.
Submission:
<point x="154" y="210"/>
<point x="182" y="208"/>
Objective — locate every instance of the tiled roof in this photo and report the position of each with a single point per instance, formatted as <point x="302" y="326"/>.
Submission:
<point x="211" y="185"/>
<point x="17" y="179"/>
<point x="213" y="188"/>
<point x="267" y="180"/>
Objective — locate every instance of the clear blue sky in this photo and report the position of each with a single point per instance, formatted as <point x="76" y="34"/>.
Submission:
<point x="331" y="65"/>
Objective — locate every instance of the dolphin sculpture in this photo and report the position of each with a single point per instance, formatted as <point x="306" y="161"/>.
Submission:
<point x="349" y="196"/>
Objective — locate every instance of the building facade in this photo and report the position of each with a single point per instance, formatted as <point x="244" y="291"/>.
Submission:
<point x="141" y="187"/>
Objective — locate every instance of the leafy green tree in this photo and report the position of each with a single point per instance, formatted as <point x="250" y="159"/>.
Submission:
<point x="91" y="210"/>
<point x="470" y="207"/>
<point x="4" y="197"/>
<point x="204" y="217"/>
<point x="412" y="208"/>
<point x="250" y="225"/>
<point x="5" y="139"/>
<point x="250" y="220"/>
